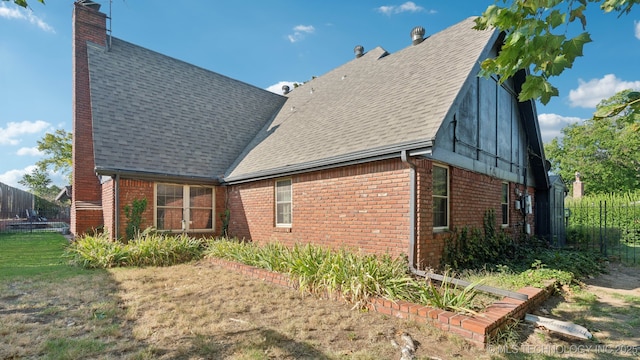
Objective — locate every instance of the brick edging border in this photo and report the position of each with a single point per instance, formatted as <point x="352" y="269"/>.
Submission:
<point x="477" y="329"/>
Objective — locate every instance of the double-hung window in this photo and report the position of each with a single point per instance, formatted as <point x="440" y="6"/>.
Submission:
<point x="284" y="202"/>
<point x="440" y="197"/>
<point x="504" y="202"/>
<point x="184" y="207"/>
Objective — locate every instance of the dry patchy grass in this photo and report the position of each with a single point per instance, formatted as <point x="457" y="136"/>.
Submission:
<point x="197" y="311"/>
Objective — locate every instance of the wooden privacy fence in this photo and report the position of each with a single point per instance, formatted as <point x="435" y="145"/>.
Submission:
<point x="14" y="202"/>
<point x="613" y="229"/>
<point x="22" y="211"/>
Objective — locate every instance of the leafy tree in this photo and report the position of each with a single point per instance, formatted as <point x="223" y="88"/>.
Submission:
<point x="603" y="150"/>
<point x="537" y="39"/>
<point x="23" y="3"/>
<point x="59" y="150"/>
<point x="39" y="183"/>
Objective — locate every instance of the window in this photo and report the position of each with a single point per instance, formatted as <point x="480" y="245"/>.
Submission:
<point x="440" y="197"/>
<point x="505" y="204"/>
<point x="283" y="203"/>
<point x="184" y="207"/>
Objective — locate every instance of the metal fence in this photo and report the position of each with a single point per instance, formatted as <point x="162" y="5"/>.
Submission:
<point x="21" y="211"/>
<point x="611" y="229"/>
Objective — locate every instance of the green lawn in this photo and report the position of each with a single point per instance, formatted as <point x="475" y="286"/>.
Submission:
<point x="34" y="255"/>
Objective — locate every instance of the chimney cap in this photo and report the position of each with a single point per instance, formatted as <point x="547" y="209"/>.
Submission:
<point x="358" y="50"/>
<point x="90" y="4"/>
<point x="417" y="35"/>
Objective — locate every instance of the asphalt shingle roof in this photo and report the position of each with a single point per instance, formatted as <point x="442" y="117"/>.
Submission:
<point x="158" y="115"/>
<point x="371" y="105"/>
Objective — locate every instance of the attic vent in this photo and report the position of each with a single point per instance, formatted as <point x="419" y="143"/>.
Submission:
<point x="417" y="35"/>
<point x="359" y="51"/>
<point x="90" y="4"/>
<point x="285" y="89"/>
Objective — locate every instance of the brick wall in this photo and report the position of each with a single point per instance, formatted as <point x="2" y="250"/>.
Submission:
<point x="366" y="207"/>
<point x="88" y="25"/>
<point x="363" y="207"/>
<point x="132" y="189"/>
<point x="471" y="195"/>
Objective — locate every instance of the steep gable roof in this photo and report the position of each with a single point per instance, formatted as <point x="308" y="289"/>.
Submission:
<point x="159" y="116"/>
<point x="372" y="106"/>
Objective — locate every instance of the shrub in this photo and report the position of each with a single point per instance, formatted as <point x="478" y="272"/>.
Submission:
<point x="357" y="277"/>
<point x="472" y="248"/>
<point x="133" y="213"/>
<point x="151" y="249"/>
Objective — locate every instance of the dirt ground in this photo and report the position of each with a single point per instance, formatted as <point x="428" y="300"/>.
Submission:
<point x="202" y="311"/>
<point x="608" y="306"/>
<point x="199" y="311"/>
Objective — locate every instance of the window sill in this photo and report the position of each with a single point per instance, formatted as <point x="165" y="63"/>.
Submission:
<point x="441" y="230"/>
<point x="282" y="229"/>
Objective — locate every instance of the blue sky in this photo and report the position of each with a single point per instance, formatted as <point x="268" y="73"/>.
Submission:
<point x="264" y="43"/>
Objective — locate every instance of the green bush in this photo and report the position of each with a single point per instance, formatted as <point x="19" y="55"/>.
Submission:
<point x="151" y="249"/>
<point x="357" y="277"/>
<point x="618" y="215"/>
<point x="472" y="248"/>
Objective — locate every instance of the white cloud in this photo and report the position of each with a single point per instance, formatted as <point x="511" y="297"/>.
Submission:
<point x="590" y="93"/>
<point x="26" y="151"/>
<point x="300" y="31"/>
<point x="277" y="87"/>
<point x="17" y="13"/>
<point x="408" y="6"/>
<point x="10" y="134"/>
<point x="637" y="29"/>
<point x="11" y="177"/>
<point x="551" y="124"/>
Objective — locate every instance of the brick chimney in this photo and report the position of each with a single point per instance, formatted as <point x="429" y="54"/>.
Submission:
<point x="578" y="187"/>
<point x="86" y="207"/>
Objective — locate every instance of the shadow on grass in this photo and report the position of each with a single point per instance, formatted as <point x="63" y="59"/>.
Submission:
<point x="52" y="310"/>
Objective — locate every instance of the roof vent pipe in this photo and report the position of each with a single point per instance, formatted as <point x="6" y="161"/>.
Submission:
<point x="90" y="4"/>
<point x="359" y="51"/>
<point x="285" y="89"/>
<point x="417" y="35"/>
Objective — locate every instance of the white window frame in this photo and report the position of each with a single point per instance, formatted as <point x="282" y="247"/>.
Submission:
<point x="447" y="197"/>
<point x="277" y="202"/>
<point x="504" y="204"/>
<point x="186" y="208"/>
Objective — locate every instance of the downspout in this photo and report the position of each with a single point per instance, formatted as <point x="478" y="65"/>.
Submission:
<point x="412" y="214"/>
<point x="116" y="205"/>
<point x="412" y="242"/>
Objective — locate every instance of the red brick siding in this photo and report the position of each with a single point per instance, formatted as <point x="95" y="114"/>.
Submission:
<point x="364" y="207"/>
<point x="86" y="220"/>
<point x="471" y="194"/>
<point x="131" y="189"/>
<point x="88" y="25"/>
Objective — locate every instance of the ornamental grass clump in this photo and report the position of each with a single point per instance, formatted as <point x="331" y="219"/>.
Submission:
<point x="356" y="277"/>
<point x="150" y="249"/>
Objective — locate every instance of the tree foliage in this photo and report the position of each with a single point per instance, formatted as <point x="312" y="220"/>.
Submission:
<point x="537" y="39"/>
<point x="603" y="150"/>
<point x="57" y="148"/>
<point x="23" y="3"/>
<point x="39" y="184"/>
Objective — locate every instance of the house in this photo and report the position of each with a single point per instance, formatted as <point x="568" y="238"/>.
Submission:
<point x="386" y="153"/>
